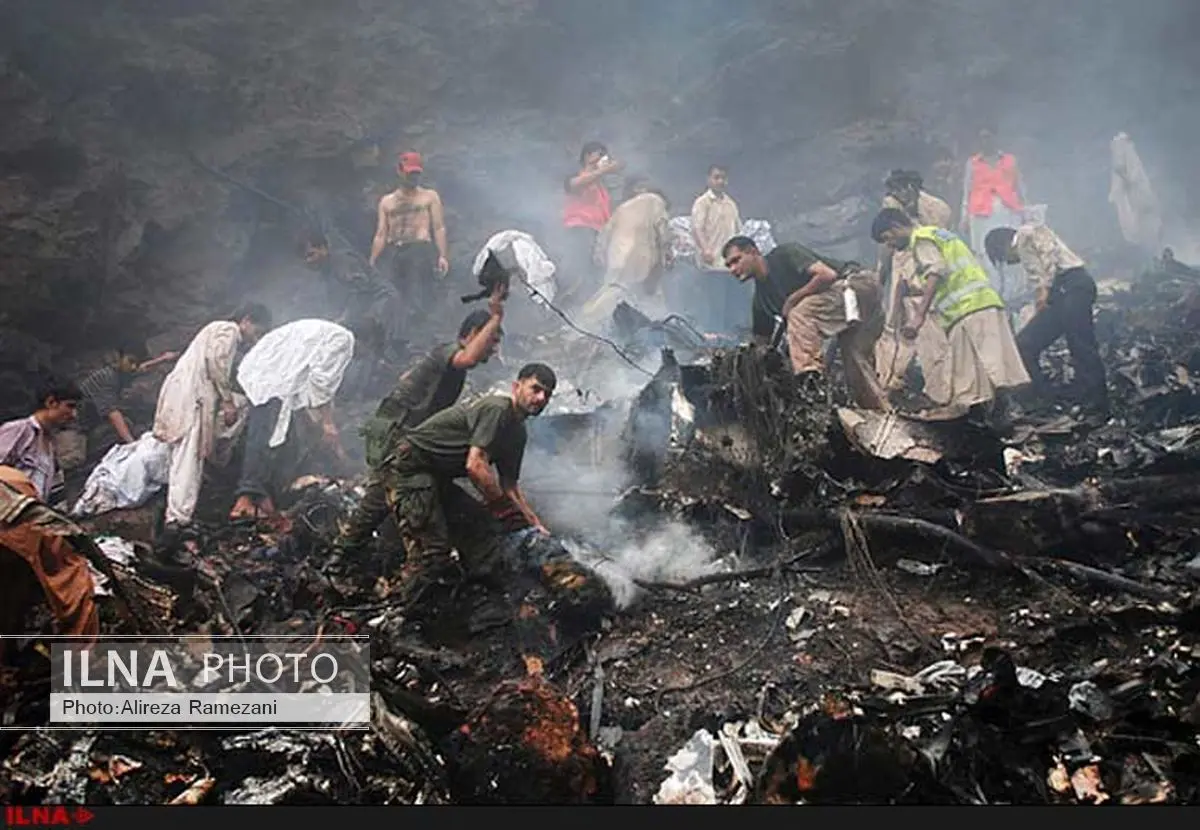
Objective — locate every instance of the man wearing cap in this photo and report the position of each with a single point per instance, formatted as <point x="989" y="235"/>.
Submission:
<point x="412" y="223"/>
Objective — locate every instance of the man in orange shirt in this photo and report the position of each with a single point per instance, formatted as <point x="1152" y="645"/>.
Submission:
<point x="992" y="198"/>
<point x="587" y="209"/>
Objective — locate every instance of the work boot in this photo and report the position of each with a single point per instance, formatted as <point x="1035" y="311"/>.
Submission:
<point x="417" y="586"/>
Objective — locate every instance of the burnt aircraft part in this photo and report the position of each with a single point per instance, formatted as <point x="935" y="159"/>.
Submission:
<point x="647" y="433"/>
<point x="844" y="760"/>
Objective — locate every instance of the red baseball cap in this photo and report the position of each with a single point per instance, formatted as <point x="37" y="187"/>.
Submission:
<point x="410" y="163"/>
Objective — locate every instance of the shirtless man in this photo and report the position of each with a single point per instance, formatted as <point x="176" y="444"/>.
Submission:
<point x="411" y="220"/>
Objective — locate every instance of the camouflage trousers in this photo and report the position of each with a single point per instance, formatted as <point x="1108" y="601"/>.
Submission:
<point x="450" y="537"/>
<point x="366" y="517"/>
<point x="425" y="508"/>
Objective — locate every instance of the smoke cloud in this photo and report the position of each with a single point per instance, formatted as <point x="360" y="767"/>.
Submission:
<point x="574" y="487"/>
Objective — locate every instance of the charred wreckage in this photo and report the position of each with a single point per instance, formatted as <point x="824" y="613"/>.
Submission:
<point x="773" y="598"/>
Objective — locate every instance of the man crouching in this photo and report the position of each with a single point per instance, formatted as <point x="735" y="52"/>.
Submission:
<point x="464" y="440"/>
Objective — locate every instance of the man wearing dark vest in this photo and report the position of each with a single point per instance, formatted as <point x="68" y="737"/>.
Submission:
<point x="430" y="385"/>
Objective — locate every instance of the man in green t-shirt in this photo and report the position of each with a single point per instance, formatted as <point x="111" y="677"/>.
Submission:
<point x="809" y="291"/>
<point x="431" y="384"/>
<point x="463" y="441"/>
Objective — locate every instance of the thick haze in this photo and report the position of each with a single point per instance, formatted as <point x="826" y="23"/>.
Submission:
<point x="809" y="102"/>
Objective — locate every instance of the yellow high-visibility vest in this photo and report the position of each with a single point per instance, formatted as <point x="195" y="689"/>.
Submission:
<point x="966" y="289"/>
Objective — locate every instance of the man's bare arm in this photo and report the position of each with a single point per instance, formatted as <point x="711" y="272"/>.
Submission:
<point x="821" y="277"/>
<point x="470" y="354"/>
<point x="437" y="218"/>
<point x="582" y="180"/>
<point x="381" y="231"/>
<point x="481" y="474"/>
<point x="117" y="419"/>
<point x="514" y="492"/>
<point x="165" y="357"/>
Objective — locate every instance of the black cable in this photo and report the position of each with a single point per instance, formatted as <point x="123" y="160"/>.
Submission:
<point x="620" y="352"/>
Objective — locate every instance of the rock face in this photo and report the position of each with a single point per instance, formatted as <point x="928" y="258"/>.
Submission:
<point x="122" y="117"/>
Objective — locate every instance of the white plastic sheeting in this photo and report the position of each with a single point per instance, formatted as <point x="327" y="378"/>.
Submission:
<point x="1130" y="192"/>
<point x="517" y="249"/>
<point x="683" y="246"/>
<point x="691" y="768"/>
<point x="126" y="477"/>
<point x="300" y="363"/>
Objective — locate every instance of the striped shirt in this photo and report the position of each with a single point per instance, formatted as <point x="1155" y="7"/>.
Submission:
<point x="102" y="389"/>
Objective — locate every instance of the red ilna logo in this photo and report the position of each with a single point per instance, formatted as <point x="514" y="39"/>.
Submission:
<point x="29" y="816"/>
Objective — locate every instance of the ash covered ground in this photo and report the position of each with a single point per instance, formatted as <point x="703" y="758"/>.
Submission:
<point x="815" y="605"/>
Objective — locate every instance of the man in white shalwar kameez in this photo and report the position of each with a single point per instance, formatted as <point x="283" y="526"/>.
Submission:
<point x="634" y="249"/>
<point x="294" y="370"/>
<point x="197" y="390"/>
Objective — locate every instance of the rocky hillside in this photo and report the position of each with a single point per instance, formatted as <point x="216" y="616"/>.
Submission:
<point x="122" y="118"/>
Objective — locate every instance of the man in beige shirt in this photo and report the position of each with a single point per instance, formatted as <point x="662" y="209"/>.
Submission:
<point x="634" y="249"/>
<point x="716" y="220"/>
<point x="1066" y="296"/>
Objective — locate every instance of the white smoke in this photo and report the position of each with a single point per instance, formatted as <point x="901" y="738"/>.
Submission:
<point x="574" y="488"/>
<point x="670" y="553"/>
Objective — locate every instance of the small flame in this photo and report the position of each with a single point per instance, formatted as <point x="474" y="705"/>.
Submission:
<point x="806" y="774"/>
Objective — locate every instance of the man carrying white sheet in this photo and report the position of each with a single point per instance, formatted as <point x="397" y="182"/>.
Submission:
<point x="290" y="377"/>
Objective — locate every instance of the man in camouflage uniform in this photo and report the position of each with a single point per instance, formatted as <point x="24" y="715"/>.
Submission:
<point x="463" y="441"/>
<point x="451" y="537"/>
<point x="431" y="384"/>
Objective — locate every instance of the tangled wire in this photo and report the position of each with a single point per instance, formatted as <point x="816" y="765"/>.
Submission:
<point x="788" y="425"/>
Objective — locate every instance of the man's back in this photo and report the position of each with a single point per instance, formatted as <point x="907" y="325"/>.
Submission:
<point x="637" y="236"/>
<point x="428" y="386"/>
<point x="1043" y="254"/>
<point x="304" y="353"/>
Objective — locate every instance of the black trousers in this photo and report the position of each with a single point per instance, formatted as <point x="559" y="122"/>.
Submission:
<point x="267" y="471"/>
<point x="414" y="266"/>
<point x="1068" y="314"/>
